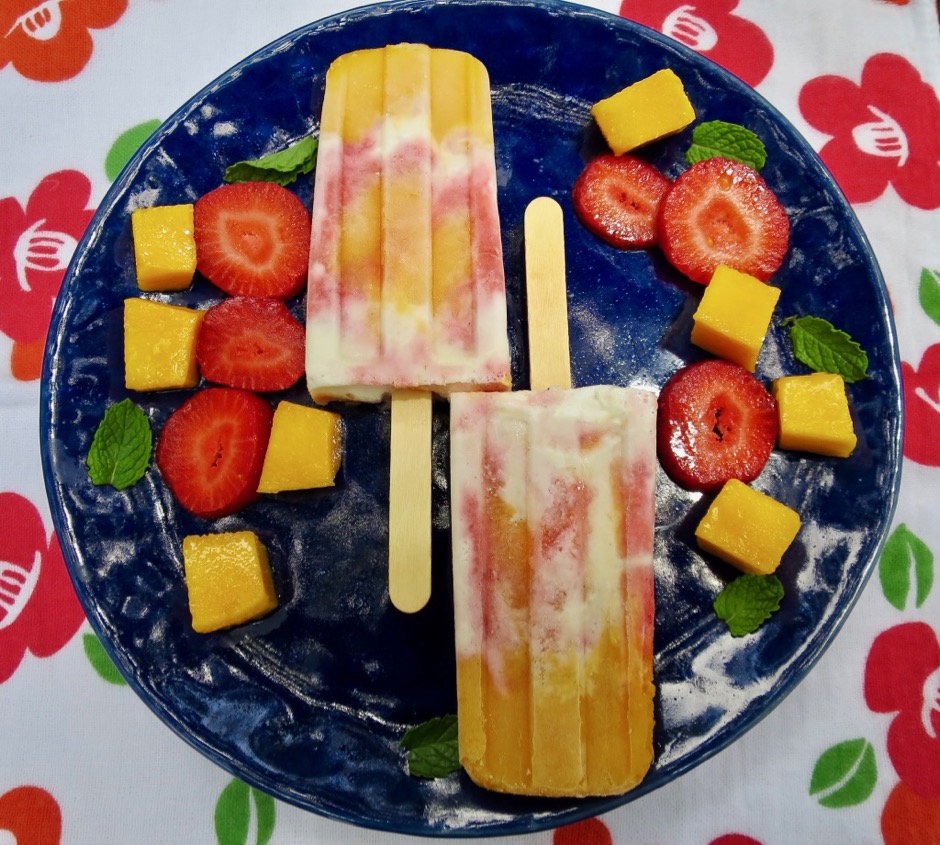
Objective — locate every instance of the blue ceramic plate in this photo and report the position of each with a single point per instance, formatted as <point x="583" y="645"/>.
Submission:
<point x="310" y="703"/>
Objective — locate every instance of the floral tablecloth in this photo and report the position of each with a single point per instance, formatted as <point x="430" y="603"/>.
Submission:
<point x="851" y="756"/>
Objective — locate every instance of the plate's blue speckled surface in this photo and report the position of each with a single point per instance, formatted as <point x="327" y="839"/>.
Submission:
<point x="310" y="703"/>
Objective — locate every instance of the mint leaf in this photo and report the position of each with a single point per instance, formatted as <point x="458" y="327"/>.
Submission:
<point x="716" y="138"/>
<point x="748" y="601"/>
<point x="929" y="293"/>
<point x="282" y="167"/>
<point x="826" y="349"/>
<point x="845" y="774"/>
<point x="905" y="555"/>
<point x="121" y="448"/>
<point x="432" y="748"/>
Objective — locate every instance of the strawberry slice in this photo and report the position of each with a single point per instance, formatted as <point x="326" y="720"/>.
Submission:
<point x="253" y="343"/>
<point x="715" y="421"/>
<point x="252" y="239"/>
<point x="617" y="198"/>
<point x="211" y="450"/>
<point x="722" y="212"/>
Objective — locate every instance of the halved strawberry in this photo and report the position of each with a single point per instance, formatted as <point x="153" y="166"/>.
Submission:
<point x="722" y="212"/>
<point x="253" y="343"/>
<point x="715" y="421"/>
<point x="617" y="198"/>
<point x="211" y="450"/>
<point x="252" y="239"/>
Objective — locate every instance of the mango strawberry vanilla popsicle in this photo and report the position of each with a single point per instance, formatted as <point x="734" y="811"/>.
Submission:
<point x="406" y="284"/>
<point x="406" y="292"/>
<point x="552" y="515"/>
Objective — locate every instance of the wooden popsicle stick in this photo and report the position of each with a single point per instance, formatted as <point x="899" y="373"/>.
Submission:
<point x="409" y="501"/>
<point x="546" y="295"/>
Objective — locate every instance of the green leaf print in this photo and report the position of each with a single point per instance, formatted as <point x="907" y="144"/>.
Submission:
<point x="929" y="293"/>
<point x="100" y="660"/>
<point x="905" y="558"/>
<point x="264" y="807"/>
<point x="233" y="815"/>
<point x="125" y="146"/>
<point x="845" y="774"/>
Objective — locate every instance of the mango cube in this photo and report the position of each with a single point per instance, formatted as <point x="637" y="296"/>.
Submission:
<point x="164" y="247"/>
<point x="644" y="112"/>
<point x="747" y="528"/>
<point x="733" y="317"/>
<point x="228" y="578"/>
<point x="160" y="345"/>
<point x="303" y="451"/>
<point x="814" y="414"/>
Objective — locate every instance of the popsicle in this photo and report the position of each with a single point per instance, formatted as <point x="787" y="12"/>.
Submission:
<point x="552" y="514"/>
<point x="406" y="290"/>
<point x="406" y="286"/>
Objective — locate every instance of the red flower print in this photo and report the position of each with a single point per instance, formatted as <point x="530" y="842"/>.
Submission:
<point x="922" y="408"/>
<point x="32" y="815"/>
<point x="36" y="245"/>
<point x="39" y="611"/>
<point x="710" y="28"/>
<point x="49" y="40"/>
<point x="734" y="839"/>
<point x="587" y="832"/>
<point x="882" y="131"/>
<point x="902" y="676"/>
<point x="909" y="819"/>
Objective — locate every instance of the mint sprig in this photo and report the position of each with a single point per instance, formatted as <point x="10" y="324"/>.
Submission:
<point x="432" y="748"/>
<point x="826" y="349"/>
<point x="748" y="601"/>
<point x="716" y="138"/>
<point x="282" y="167"/>
<point x="121" y="447"/>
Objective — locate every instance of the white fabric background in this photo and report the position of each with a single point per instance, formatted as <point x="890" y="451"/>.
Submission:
<point x="119" y="774"/>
